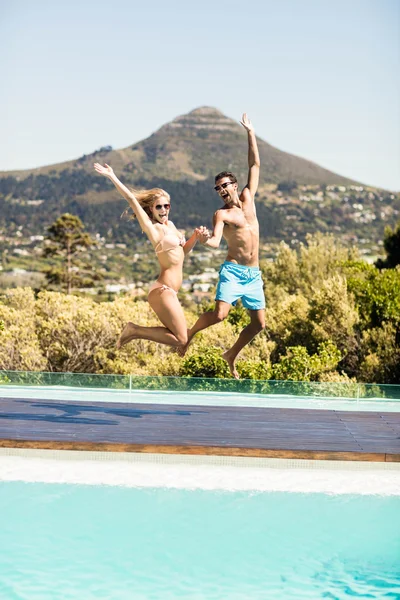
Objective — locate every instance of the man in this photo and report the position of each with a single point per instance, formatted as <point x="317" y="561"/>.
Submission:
<point x="239" y="276"/>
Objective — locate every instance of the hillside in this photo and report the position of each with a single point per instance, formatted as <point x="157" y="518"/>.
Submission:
<point x="182" y="157"/>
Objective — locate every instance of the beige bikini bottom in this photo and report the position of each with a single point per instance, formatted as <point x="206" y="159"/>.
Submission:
<point x="157" y="284"/>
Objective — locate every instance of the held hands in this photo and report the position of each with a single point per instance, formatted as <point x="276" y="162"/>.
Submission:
<point x="247" y="124"/>
<point x="107" y="171"/>
<point x="202" y="234"/>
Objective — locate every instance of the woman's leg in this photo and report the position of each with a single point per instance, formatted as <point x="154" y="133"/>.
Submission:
<point x="168" y="309"/>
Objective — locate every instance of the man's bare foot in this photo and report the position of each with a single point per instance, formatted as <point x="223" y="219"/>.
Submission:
<point x="181" y="350"/>
<point x="231" y="364"/>
<point x="128" y="334"/>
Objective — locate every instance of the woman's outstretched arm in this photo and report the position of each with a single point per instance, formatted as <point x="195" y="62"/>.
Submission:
<point x="143" y="218"/>
<point x="200" y="234"/>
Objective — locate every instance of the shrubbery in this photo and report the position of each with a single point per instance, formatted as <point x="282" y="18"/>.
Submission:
<point x="19" y="341"/>
<point x="330" y="318"/>
<point x="298" y="365"/>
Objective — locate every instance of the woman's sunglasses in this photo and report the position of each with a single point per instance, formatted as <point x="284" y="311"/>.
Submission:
<point x="160" y="206"/>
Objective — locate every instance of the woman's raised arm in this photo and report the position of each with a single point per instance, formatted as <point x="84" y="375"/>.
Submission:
<point x="143" y="218"/>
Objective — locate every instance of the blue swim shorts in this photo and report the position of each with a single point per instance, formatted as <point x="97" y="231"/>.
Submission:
<point x="237" y="281"/>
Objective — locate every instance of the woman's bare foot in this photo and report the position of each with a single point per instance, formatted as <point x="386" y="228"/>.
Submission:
<point x="231" y="364"/>
<point x="128" y="334"/>
<point x="181" y="350"/>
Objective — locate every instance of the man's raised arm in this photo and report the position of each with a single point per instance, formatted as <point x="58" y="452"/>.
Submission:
<point x="254" y="157"/>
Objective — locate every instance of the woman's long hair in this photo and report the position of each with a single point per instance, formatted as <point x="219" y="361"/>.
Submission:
<point x="146" y="199"/>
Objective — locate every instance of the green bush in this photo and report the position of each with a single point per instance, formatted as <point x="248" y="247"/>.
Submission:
<point x="19" y="343"/>
<point x="238" y="316"/>
<point x="380" y="350"/>
<point x="207" y="362"/>
<point x="253" y="369"/>
<point x="304" y="271"/>
<point x="377" y="293"/>
<point x="298" y="365"/>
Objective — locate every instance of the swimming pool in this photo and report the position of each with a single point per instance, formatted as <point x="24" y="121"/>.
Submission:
<point x="196" y="528"/>
<point x="162" y="526"/>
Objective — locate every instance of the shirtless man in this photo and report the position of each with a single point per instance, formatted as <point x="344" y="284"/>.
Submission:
<point x="239" y="276"/>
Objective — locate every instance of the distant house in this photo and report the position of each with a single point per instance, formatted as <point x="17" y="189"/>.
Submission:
<point x="21" y="252"/>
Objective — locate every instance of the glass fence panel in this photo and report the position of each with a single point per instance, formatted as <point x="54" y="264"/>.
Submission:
<point x="379" y="390"/>
<point x="247" y="386"/>
<point x="305" y="389"/>
<point x="76" y="380"/>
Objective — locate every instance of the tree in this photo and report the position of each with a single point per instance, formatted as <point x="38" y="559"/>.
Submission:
<point x="380" y="351"/>
<point x="307" y="268"/>
<point x="66" y="240"/>
<point x="288" y="185"/>
<point x="376" y="293"/>
<point x="391" y="243"/>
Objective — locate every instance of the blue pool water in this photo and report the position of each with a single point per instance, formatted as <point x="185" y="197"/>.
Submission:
<point x="62" y="541"/>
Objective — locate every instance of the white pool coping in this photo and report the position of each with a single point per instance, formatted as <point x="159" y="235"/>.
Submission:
<point x="199" y="472"/>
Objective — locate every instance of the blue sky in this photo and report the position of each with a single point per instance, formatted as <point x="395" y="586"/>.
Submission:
<point x="319" y="78"/>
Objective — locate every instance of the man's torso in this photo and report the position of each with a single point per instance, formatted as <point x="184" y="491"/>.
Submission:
<point x="241" y="232"/>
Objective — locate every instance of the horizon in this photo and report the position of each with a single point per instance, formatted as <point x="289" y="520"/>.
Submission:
<point x="314" y="86"/>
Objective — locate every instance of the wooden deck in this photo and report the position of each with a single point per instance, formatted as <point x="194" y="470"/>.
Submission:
<point x="234" y="431"/>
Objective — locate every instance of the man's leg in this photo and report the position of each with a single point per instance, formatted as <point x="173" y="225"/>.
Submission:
<point x="205" y="320"/>
<point x="257" y="324"/>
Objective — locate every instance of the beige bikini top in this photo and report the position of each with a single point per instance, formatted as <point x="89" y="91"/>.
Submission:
<point x="169" y="242"/>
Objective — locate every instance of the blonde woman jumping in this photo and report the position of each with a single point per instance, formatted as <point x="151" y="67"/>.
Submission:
<point x="151" y="208"/>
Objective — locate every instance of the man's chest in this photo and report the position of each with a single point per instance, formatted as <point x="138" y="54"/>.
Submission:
<point x="237" y="221"/>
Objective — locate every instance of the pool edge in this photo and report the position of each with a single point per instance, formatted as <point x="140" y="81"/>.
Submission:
<point x="202" y="450"/>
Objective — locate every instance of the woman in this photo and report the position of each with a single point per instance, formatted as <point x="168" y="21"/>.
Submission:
<point x="151" y="209"/>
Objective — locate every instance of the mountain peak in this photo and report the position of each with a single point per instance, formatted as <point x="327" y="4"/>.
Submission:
<point x="208" y="111"/>
<point x="192" y="147"/>
<point x="204" y="117"/>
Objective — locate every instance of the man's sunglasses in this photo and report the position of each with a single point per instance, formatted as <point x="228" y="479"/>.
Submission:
<point x="160" y="206"/>
<point x="218" y="188"/>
